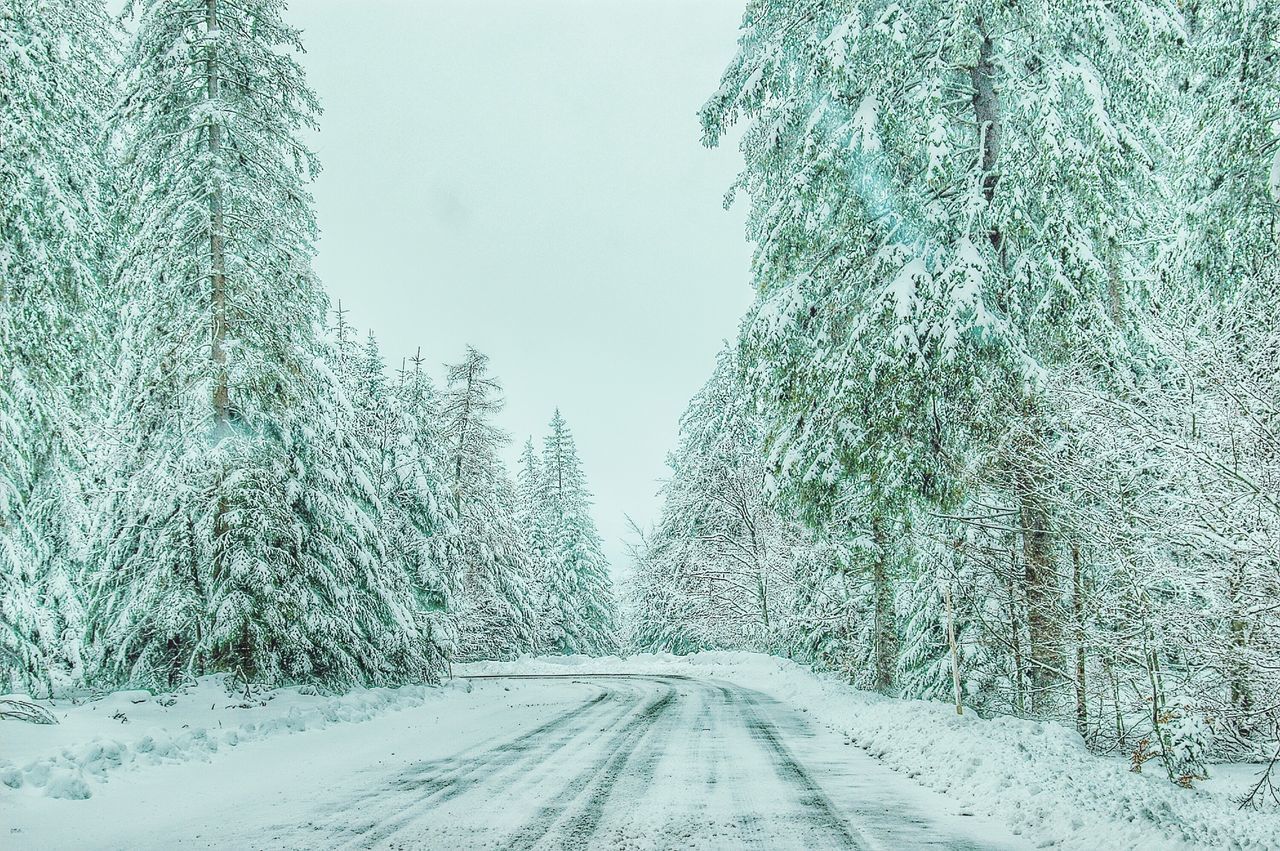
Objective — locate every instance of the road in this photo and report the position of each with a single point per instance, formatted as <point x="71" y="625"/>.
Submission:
<point x="647" y="762"/>
<point x="607" y="761"/>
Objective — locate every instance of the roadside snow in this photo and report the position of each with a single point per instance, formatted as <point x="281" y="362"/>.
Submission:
<point x="1036" y="777"/>
<point x="129" y="729"/>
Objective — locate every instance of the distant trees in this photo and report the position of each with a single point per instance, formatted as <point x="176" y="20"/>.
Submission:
<point x="718" y="570"/>
<point x="1010" y="357"/>
<point x="196" y="474"/>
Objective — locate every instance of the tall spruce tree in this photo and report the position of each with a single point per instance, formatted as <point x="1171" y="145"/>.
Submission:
<point x="583" y="617"/>
<point x="425" y="530"/>
<point x="496" y="607"/>
<point x="56" y="60"/>
<point x="937" y="191"/>
<point x="241" y="532"/>
<point x="532" y="521"/>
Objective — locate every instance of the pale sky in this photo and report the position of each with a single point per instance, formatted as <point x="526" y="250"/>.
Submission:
<point x="526" y="176"/>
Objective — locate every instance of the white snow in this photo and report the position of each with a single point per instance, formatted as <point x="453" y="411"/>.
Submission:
<point x="127" y="730"/>
<point x="864" y="133"/>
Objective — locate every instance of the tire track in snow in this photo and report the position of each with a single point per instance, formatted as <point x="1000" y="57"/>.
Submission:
<point x="451" y="777"/>
<point x="750" y="832"/>
<point x="595" y="778"/>
<point x="631" y="768"/>
<point x="686" y="802"/>
<point x="821" y="810"/>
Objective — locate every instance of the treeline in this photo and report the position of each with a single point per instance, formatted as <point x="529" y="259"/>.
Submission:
<point x="201" y="469"/>
<point x="1013" y="372"/>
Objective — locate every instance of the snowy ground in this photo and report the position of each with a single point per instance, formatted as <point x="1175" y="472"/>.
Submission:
<point x="650" y="752"/>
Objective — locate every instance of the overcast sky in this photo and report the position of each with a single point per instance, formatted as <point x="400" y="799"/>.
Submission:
<point x="527" y="177"/>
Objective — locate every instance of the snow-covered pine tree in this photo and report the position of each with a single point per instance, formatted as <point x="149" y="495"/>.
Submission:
<point x="937" y="191"/>
<point x="399" y="457"/>
<point x="496" y="609"/>
<point x="533" y="523"/>
<point x="240" y="533"/>
<point x="425" y="531"/>
<point x="528" y="487"/>
<point x="583" y="607"/>
<point x="55" y="88"/>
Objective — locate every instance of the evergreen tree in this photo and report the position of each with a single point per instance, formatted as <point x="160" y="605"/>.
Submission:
<point x="924" y="258"/>
<point x="583" y="616"/>
<point x="241" y="533"/>
<point x="401" y="464"/>
<point x="425" y="531"/>
<point x="533" y="523"/>
<point x="55" y="72"/>
<point x="496" y="610"/>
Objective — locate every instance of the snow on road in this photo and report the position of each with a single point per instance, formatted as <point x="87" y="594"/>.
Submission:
<point x="612" y="761"/>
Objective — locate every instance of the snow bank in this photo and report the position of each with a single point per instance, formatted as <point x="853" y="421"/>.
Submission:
<point x="133" y="729"/>
<point x="1036" y="777"/>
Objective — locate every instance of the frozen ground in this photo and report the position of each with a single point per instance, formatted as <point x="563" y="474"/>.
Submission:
<point x="650" y="752"/>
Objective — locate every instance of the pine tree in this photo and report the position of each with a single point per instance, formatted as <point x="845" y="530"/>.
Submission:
<point x="426" y="534"/>
<point x="584" y="612"/>
<point x="496" y="606"/>
<point x="399" y="459"/>
<point x="937" y="191"/>
<point x="533" y="523"/>
<point x="55" y="73"/>
<point x="241" y="533"/>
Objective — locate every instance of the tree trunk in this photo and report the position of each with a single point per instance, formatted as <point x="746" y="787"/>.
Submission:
<point x="1077" y="607"/>
<point x="955" y="654"/>
<point x="1158" y="711"/>
<point x="218" y="301"/>
<point x="1237" y="663"/>
<point x="759" y="557"/>
<point x="986" y="111"/>
<point x="1040" y="583"/>
<point x="1110" y="671"/>
<point x="1015" y="634"/>
<point x="883" y="629"/>
<point x="462" y="438"/>
<point x="217" y="239"/>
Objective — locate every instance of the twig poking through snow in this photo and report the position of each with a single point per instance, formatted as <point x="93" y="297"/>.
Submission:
<point x="21" y="710"/>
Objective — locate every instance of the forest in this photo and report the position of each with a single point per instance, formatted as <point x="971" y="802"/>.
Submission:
<point x="1001" y="428"/>
<point x="203" y="466"/>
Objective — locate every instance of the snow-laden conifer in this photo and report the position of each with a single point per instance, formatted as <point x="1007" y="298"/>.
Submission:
<point x="583" y="617"/>
<point x="496" y="606"/>
<point x="242" y="528"/>
<point x="56" y="61"/>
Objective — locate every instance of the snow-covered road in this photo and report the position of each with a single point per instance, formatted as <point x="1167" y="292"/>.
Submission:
<point x="661" y="762"/>
<point x="571" y="761"/>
